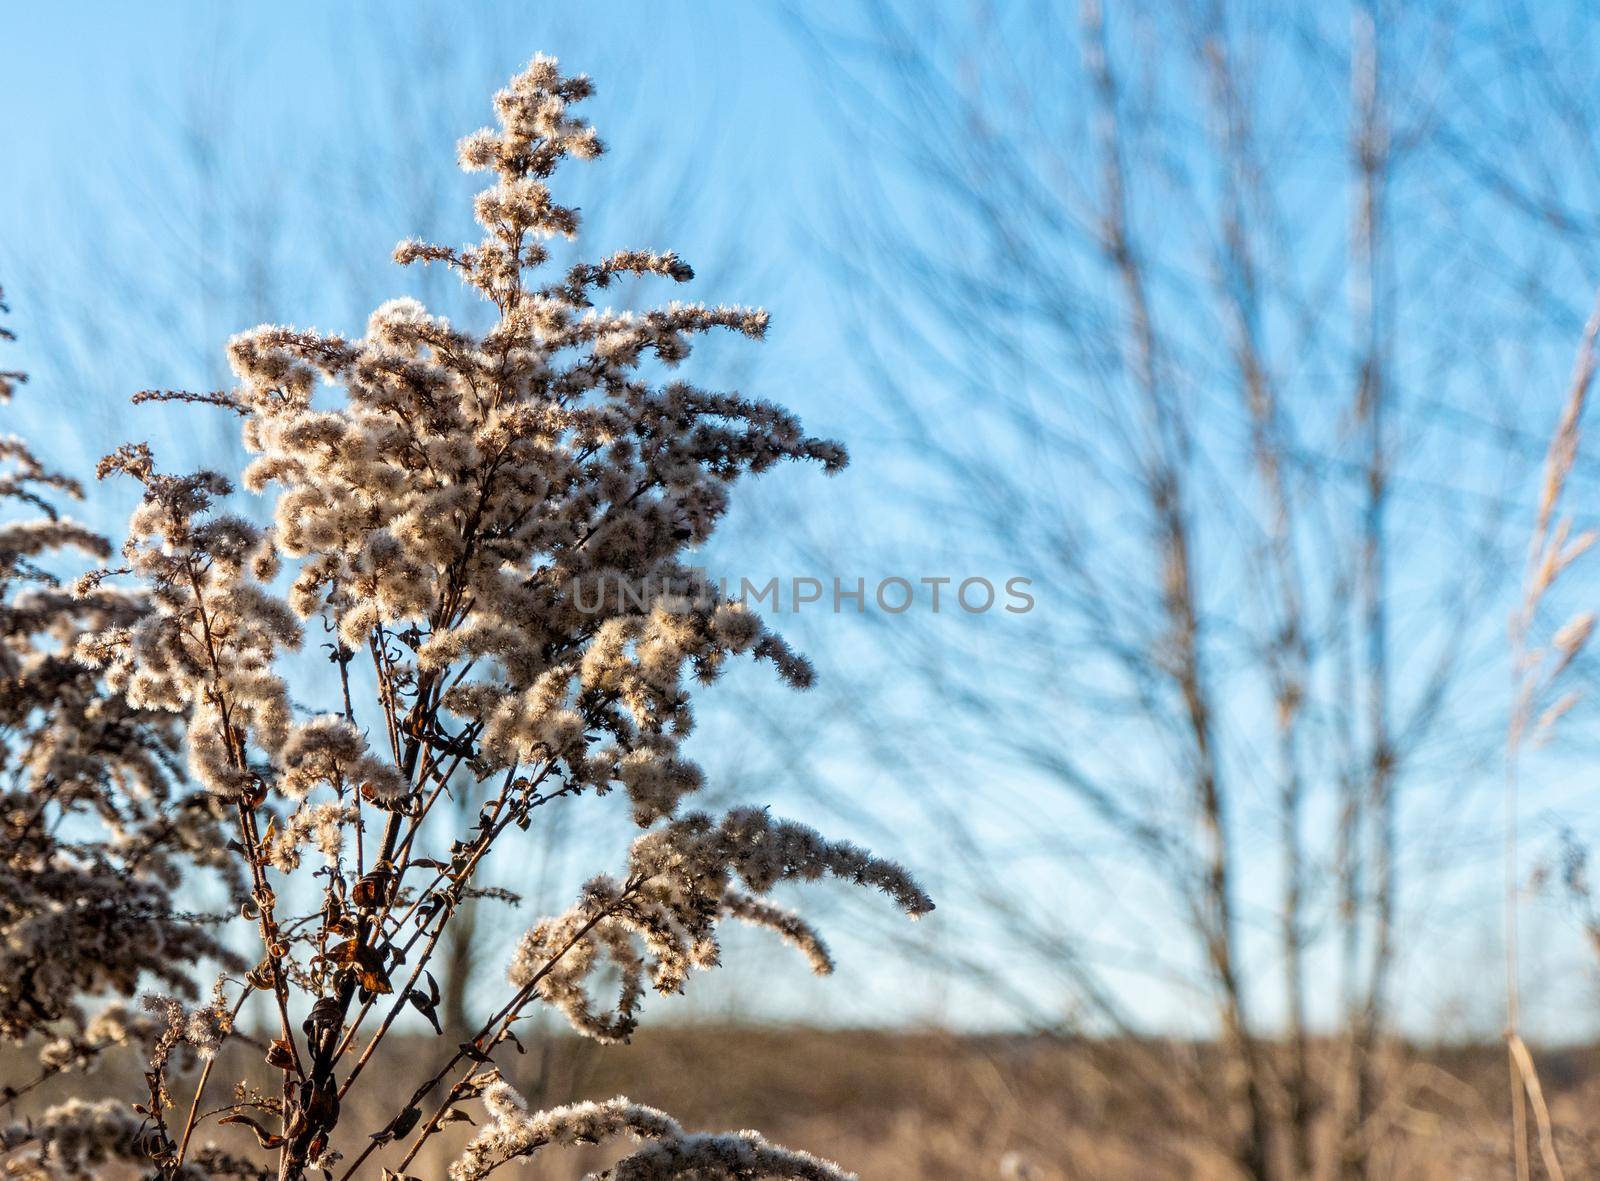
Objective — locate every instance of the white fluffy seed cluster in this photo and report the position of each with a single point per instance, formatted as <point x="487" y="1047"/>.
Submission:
<point x="730" y="1156"/>
<point x="114" y="1025"/>
<point x="513" y="1133"/>
<point x="320" y="826"/>
<point x="207" y="646"/>
<point x="331" y="750"/>
<point x="200" y="1030"/>
<point x="475" y="496"/>
<point x="660" y="921"/>
<point x="76" y="1138"/>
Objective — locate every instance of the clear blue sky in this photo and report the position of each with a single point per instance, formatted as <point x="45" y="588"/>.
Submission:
<point x="176" y="172"/>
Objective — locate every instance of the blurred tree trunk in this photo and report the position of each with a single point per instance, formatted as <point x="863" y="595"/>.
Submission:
<point x="458" y="965"/>
<point x="1369" y="149"/>
<point x="1163" y="459"/>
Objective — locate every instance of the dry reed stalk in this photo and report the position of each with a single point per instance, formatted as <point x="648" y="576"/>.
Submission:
<point x="1549" y="554"/>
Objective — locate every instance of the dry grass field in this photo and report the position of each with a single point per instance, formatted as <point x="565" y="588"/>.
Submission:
<point x="933" y="1107"/>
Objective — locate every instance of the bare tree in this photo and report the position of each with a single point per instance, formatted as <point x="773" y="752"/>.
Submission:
<point x="1214" y="329"/>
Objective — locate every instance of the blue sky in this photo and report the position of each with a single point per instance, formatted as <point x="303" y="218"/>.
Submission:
<point x="178" y="172"/>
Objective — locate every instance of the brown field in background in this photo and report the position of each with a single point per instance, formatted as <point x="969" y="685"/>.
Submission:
<point x="898" y="1106"/>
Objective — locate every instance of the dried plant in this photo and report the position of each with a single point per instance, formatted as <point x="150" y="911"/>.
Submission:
<point x="452" y="523"/>
<point x="97" y="829"/>
<point x="1539" y="701"/>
